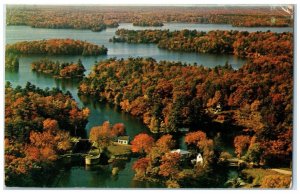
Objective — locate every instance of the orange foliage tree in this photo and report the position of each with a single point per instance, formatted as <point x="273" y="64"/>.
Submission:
<point x="103" y="135"/>
<point x="165" y="143"/>
<point x="140" y="166"/>
<point x="241" y="143"/>
<point x="142" y="143"/>
<point x="170" y="165"/>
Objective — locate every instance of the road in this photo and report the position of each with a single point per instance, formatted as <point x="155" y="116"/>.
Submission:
<point x="287" y="172"/>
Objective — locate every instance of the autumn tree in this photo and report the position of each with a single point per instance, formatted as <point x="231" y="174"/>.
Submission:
<point x="118" y="129"/>
<point x="140" y="166"/>
<point x="241" y="143"/>
<point x="165" y="143"/>
<point x="104" y="134"/>
<point x="193" y="138"/>
<point x="170" y="165"/>
<point x="142" y="143"/>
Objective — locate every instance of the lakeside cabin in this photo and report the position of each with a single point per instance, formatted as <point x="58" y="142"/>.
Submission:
<point x="123" y="140"/>
<point x="198" y="159"/>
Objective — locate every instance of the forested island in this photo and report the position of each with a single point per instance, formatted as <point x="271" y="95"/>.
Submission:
<point x="147" y="23"/>
<point x="242" y="44"/>
<point x="59" y="70"/>
<point x="99" y="18"/>
<point x="11" y="62"/>
<point x="38" y="127"/>
<point x="56" y="47"/>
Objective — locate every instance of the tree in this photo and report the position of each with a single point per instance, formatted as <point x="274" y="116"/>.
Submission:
<point x="104" y="134"/>
<point x="101" y="135"/>
<point x="193" y="138"/>
<point x="142" y="143"/>
<point x="165" y="143"/>
<point x="241" y="143"/>
<point x="118" y="129"/>
<point x="140" y="166"/>
<point x="50" y="124"/>
<point x="170" y="165"/>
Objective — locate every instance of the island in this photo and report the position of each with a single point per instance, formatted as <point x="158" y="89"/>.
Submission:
<point x="59" y="70"/>
<point x="215" y="41"/>
<point x="56" y="47"/>
<point x="148" y="23"/>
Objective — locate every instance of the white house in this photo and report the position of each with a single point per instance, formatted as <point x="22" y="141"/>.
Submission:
<point x="198" y="159"/>
<point x="123" y="140"/>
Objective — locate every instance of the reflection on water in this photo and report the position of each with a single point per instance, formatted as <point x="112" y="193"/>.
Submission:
<point x="101" y="176"/>
<point x="119" y="50"/>
<point x="101" y="112"/>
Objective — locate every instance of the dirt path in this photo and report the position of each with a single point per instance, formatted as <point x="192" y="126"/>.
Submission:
<point x="287" y="172"/>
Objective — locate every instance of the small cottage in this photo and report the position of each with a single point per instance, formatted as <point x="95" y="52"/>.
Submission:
<point x="198" y="159"/>
<point x="124" y="140"/>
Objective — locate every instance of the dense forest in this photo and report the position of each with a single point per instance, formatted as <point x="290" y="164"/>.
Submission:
<point x="169" y="96"/>
<point x="240" y="43"/>
<point x="38" y="126"/>
<point x="59" y="19"/>
<point x="99" y="18"/>
<point x="59" y="70"/>
<point x="56" y="47"/>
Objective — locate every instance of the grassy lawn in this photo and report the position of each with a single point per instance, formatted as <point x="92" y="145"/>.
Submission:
<point x="116" y="149"/>
<point x="255" y="176"/>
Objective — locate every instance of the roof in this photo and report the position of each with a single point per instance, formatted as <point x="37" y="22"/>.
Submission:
<point x="123" y="138"/>
<point x="181" y="152"/>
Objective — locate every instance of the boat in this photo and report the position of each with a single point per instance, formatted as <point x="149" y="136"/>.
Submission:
<point x="92" y="159"/>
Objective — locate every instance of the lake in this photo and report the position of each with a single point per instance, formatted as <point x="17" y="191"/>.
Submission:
<point x="99" y="176"/>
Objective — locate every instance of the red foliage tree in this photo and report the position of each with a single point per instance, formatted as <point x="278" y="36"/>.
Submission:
<point x="194" y="137"/>
<point x="165" y="143"/>
<point x="142" y="143"/>
<point x="170" y="165"/>
<point x="241" y="143"/>
<point x="140" y="166"/>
